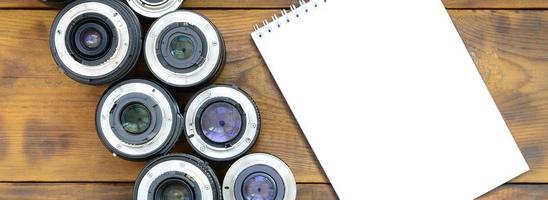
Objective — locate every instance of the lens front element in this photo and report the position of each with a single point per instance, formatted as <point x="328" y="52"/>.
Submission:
<point x="181" y="47"/>
<point x="259" y="186"/>
<point x="135" y="118"/>
<point x="221" y="122"/>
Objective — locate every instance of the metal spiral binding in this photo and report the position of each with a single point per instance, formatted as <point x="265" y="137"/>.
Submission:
<point x="284" y="14"/>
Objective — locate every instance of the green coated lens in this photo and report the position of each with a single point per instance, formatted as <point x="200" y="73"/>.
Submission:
<point x="181" y="47"/>
<point x="176" y="191"/>
<point x="136" y="118"/>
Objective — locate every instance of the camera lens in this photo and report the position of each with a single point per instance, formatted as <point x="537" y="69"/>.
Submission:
<point x="154" y="8"/>
<point x="95" y="42"/>
<point x="177" y="176"/>
<point x="221" y="122"/>
<point x="56" y="2"/>
<point x="138" y="119"/>
<point x="259" y="176"/>
<point x="184" y="49"/>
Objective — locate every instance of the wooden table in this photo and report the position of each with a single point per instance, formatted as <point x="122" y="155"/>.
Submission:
<point x="49" y="148"/>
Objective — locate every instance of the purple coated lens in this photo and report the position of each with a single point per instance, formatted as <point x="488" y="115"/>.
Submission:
<point x="221" y="122"/>
<point x="91" y="38"/>
<point x="259" y="187"/>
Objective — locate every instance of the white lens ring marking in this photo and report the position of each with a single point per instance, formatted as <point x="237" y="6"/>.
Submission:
<point x="166" y="114"/>
<point x="122" y="32"/>
<point x="208" y="67"/>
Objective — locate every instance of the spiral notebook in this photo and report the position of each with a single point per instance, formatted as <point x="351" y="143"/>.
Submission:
<point x="389" y="99"/>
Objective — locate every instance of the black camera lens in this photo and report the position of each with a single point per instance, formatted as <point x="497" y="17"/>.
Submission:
<point x="259" y="176"/>
<point x="154" y="8"/>
<point x="138" y="119"/>
<point x="96" y="42"/>
<point x="56" y="2"/>
<point x="221" y="122"/>
<point x="177" y="176"/>
<point x="184" y="49"/>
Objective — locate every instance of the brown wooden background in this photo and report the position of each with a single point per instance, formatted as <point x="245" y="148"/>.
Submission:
<point x="49" y="148"/>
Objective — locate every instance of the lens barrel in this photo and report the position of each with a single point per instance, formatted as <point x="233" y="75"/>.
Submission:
<point x="259" y="176"/>
<point x="177" y="176"/>
<point x="96" y="41"/>
<point x="154" y="8"/>
<point x="222" y="122"/>
<point x="138" y="119"/>
<point x="57" y="3"/>
<point x="184" y="49"/>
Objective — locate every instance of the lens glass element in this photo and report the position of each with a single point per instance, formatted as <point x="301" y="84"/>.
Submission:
<point x="181" y="47"/>
<point x="135" y="118"/>
<point x="221" y="122"/>
<point x="91" y="38"/>
<point x="259" y="187"/>
<point x="175" y="190"/>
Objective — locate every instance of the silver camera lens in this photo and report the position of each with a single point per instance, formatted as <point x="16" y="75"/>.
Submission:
<point x="221" y="122"/>
<point x="96" y="42"/>
<point x="138" y="119"/>
<point x="177" y="176"/>
<point x="259" y="176"/>
<point x="184" y="49"/>
<point x="154" y="8"/>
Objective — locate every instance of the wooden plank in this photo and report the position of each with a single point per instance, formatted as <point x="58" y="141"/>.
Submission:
<point x="36" y="4"/>
<point x="451" y="4"/>
<point x="122" y="191"/>
<point x="518" y="192"/>
<point x="496" y="4"/>
<point x="48" y="131"/>
<point x="118" y="191"/>
<point x="510" y="49"/>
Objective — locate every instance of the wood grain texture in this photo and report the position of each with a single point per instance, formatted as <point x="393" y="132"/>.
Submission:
<point x="48" y="133"/>
<point x="123" y="191"/>
<point x="518" y="191"/>
<point x="48" y="129"/>
<point x="118" y="191"/>
<point x="36" y="4"/>
<point x="510" y="49"/>
<point x="495" y="4"/>
<point x="451" y="4"/>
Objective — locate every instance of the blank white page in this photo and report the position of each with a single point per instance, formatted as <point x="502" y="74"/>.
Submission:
<point x="390" y="100"/>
